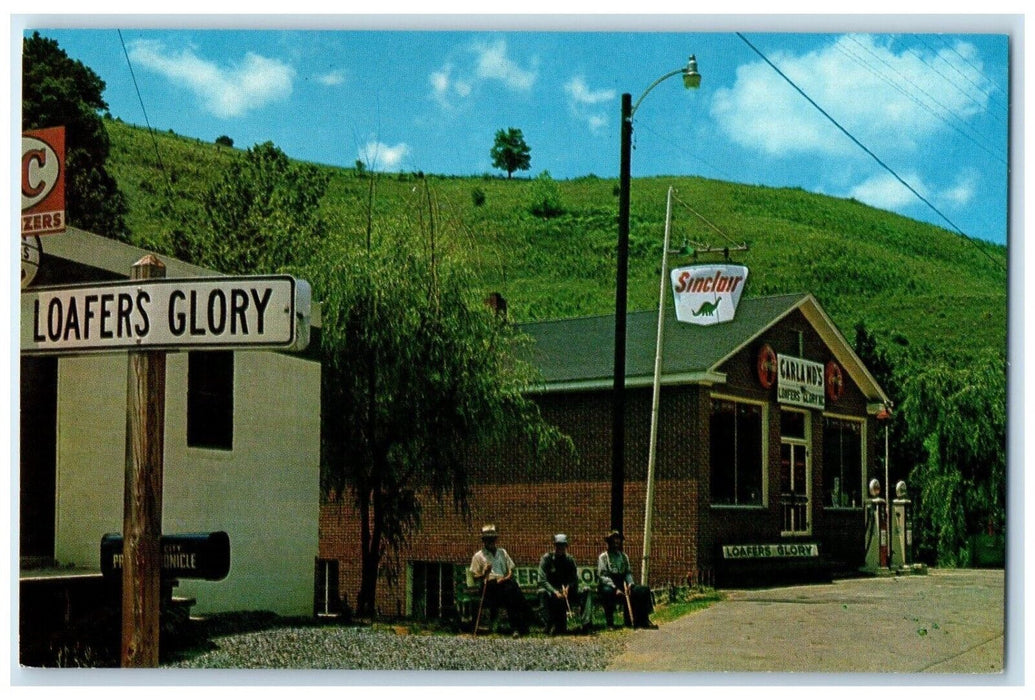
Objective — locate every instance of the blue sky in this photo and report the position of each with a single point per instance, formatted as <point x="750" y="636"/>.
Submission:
<point x="931" y="106"/>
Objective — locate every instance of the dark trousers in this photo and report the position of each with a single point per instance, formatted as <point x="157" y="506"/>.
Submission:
<point x="555" y="610"/>
<point x="639" y="598"/>
<point x="508" y="595"/>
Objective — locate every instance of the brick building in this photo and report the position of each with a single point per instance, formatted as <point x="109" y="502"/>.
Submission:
<point x="767" y="437"/>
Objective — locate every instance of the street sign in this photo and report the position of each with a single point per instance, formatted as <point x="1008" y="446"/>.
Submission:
<point x="246" y="313"/>
<point x="202" y="555"/>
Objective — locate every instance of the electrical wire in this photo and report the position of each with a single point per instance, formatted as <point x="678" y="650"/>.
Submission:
<point x="147" y="122"/>
<point x="870" y="153"/>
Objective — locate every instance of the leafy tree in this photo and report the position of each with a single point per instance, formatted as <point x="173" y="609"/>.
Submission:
<point x="225" y="140"/>
<point x="958" y="414"/>
<point x="546" y="197"/>
<point x="262" y="216"/>
<point x="416" y="375"/>
<point x="60" y="91"/>
<point x="510" y="152"/>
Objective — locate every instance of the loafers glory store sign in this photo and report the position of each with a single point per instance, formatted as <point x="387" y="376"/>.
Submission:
<point x="707" y="294"/>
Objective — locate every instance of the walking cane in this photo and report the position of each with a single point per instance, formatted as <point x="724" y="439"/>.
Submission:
<point x="478" y="619"/>
<point x="628" y="605"/>
<point x="564" y="590"/>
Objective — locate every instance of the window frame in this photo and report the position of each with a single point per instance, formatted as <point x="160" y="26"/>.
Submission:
<point x="763" y="453"/>
<point x="861" y="422"/>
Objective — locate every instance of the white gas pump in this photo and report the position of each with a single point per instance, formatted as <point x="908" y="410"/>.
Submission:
<point x="876" y="530"/>
<point x="901" y="528"/>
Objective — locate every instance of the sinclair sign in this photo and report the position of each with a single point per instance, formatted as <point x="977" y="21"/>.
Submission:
<point x="43" y="181"/>
<point x="247" y="313"/>
<point x="707" y="294"/>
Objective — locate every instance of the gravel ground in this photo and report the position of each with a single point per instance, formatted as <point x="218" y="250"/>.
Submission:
<point x="377" y="648"/>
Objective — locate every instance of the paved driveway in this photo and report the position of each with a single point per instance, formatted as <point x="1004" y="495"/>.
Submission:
<point x="949" y="621"/>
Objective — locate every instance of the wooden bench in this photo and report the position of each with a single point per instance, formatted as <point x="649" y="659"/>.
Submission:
<point x="771" y="563"/>
<point x="469" y="592"/>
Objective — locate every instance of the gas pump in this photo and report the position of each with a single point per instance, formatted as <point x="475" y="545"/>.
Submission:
<point x="876" y="530"/>
<point x="901" y="528"/>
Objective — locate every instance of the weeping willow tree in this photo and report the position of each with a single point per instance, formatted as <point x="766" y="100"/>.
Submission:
<point x="958" y="415"/>
<point x="417" y="374"/>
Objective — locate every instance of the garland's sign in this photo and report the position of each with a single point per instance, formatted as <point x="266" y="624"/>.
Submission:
<point x="43" y="181"/>
<point x="247" y="313"/>
<point x="707" y="294"/>
<point x="799" y="382"/>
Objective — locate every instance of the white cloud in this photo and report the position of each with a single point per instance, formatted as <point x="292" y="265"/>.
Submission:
<point x="332" y="78"/>
<point x="963" y="191"/>
<point x="887" y="99"/>
<point x="225" y="91"/>
<point x="490" y="62"/>
<point x="584" y="102"/>
<point x="381" y="156"/>
<point x="886" y="192"/>
<point x="580" y="93"/>
<point x="494" y="64"/>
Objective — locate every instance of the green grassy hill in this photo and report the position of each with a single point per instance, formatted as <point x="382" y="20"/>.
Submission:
<point x="924" y="290"/>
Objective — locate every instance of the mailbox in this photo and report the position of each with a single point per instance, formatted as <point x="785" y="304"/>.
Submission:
<point x="201" y="555"/>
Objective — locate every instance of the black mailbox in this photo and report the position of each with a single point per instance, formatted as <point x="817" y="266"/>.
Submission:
<point x="202" y="555"/>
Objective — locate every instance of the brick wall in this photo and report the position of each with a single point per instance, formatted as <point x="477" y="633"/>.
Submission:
<point x="570" y="491"/>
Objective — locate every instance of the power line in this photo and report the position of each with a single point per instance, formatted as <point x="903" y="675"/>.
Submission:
<point x="150" y="131"/>
<point x="920" y="103"/>
<point x="870" y="153"/>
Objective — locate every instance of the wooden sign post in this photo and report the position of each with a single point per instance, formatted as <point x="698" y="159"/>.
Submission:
<point x="142" y="497"/>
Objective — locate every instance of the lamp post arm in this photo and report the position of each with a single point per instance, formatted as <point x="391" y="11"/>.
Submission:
<point x="670" y="74"/>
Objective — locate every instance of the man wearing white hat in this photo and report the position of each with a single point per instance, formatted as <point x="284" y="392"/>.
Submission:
<point x="559" y="592"/>
<point x="493" y="567"/>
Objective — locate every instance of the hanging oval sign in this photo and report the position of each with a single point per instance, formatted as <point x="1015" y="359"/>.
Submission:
<point x="32" y="249"/>
<point x="766" y="366"/>
<point x="835" y="381"/>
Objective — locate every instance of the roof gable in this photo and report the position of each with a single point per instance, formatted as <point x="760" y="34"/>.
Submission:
<point x="578" y="353"/>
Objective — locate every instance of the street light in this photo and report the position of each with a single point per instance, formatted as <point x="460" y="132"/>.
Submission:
<point x="691" y="80"/>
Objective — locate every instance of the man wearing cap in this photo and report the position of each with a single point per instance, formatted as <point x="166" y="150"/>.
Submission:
<point x="559" y="592"/>
<point x="493" y="567"/>
<point x="617" y="587"/>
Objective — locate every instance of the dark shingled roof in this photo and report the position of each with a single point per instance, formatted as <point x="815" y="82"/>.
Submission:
<point x="581" y="350"/>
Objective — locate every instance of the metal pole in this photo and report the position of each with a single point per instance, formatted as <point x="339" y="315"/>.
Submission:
<point x="887" y="483"/>
<point x="653" y="453"/>
<point x="142" y="496"/>
<point x="621" y="288"/>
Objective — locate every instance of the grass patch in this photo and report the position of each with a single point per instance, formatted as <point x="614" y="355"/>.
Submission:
<point x="695" y="601"/>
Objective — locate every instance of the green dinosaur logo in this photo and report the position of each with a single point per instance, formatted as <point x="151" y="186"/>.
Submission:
<point x="707" y="308"/>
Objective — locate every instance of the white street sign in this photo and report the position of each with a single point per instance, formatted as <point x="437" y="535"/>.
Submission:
<point x="271" y="312"/>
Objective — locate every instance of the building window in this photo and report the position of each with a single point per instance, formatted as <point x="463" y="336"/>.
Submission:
<point x="736" y="453"/>
<point x="210" y="399"/>
<point x="842" y="463"/>
<point x="432" y="591"/>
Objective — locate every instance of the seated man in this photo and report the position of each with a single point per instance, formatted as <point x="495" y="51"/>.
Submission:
<point x="494" y="569"/>
<point x="559" y="592"/>
<point x="617" y="588"/>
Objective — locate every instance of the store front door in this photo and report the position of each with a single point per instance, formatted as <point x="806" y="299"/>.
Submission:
<point x="795" y="477"/>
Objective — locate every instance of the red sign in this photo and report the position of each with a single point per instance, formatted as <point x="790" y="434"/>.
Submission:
<point x="43" y="181"/>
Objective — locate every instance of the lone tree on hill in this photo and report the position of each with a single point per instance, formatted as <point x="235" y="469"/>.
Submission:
<point x="510" y="152"/>
<point x="60" y="91"/>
